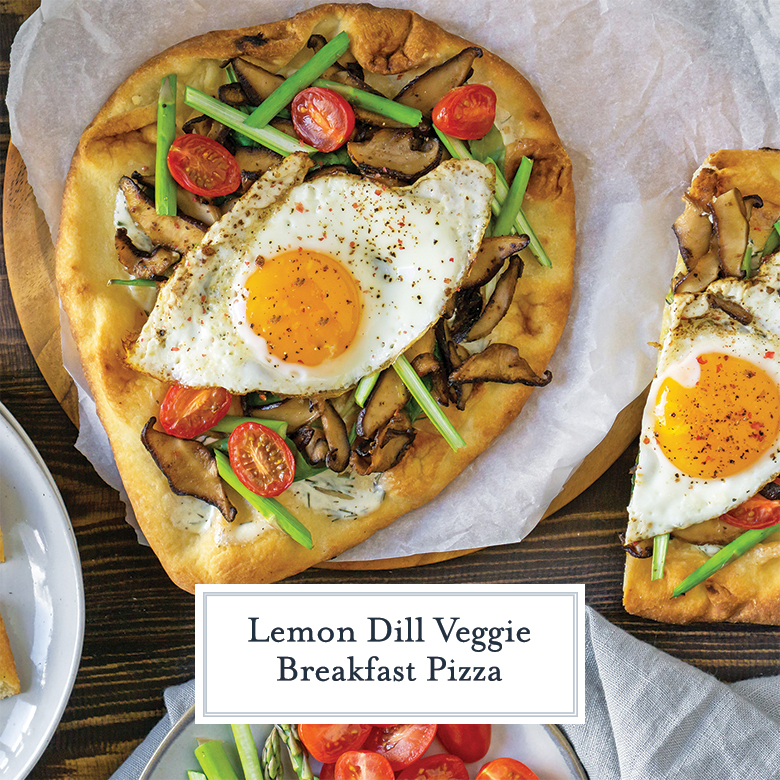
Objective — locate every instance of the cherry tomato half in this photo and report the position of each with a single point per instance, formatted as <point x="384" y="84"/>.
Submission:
<point x="203" y="166"/>
<point x="756" y="512"/>
<point x="263" y="464"/>
<point x="466" y="112"/>
<point x="401" y="745"/>
<point x="187" y="412"/>
<point x="363" y="765"/>
<point x="322" y="118"/>
<point x="469" y="742"/>
<point x="328" y="772"/>
<point x="441" y="766"/>
<point x="505" y="769"/>
<point x="326" y="742"/>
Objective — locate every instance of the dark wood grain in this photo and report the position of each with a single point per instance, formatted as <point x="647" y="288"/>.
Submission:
<point x="140" y="628"/>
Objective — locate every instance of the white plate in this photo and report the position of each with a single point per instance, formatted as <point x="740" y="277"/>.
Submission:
<point x="41" y="600"/>
<point x="544" y="749"/>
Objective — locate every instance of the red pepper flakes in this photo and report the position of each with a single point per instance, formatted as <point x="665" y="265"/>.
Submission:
<point x="769" y="355"/>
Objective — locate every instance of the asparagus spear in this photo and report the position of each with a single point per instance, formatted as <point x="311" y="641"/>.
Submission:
<point x="660" y="543"/>
<point x="428" y="403"/>
<point x="298" y="758"/>
<point x="514" y="201"/>
<point x="725" y="556"/>
<point x="268" y="507"/>
<point x="271" y="759"/>
<point x="164" y="185"/>
<point x="299" y="80"/>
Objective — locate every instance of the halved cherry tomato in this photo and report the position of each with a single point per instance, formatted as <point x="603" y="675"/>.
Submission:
<point x="322" y="118"/>
<point x="756" y="512"/>
<point x="328" y="772"/>
<point x="466" y="112"/>
<point x="187" y="412"/>
<point x="505" y="769"/>
<point x="469" y="742"/>
<point x="363" y="765"/>
<point x="401" y="745"/>
<point x="326" y="742"/>
<point x="441" y="766"/>
<point x="263" y="463"/>
<point x="203" y="166"/>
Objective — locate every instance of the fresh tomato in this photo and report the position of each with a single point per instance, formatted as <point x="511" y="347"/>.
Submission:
<point x="505" y="769"/>
<point x="363" y="765"/>
<point x="203" y="166"/>
<point x="328" y="772"/>
<point x="265" y="465"/>
<point x="322" y="118"/>
<point x="326" y="742"/>
<point x="471" y="743"/>
<point x="466" y="112"/>
<point x="441" y="766"/>
<point x="187" y="412"/>
<point x="756" y="512"/>
<point x="401" y="745"/>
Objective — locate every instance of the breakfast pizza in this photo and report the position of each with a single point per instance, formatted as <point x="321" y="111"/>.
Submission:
<point x="703" y="536"/>
<point x="313" y="269"/>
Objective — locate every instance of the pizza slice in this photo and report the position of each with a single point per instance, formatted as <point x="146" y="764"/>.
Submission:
<point x="703" y="537"/>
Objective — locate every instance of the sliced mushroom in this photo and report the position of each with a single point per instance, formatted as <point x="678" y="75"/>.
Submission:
<point x="233" y="95"/>
<point x="427" y="364"/>
<point x="693" y="229"/>
<point x="732" y="308"/>
<point x="732" y="229"/>
<point x="205" y="125"/>
<point x="391" y="444"/>
<point x="499" y="302"/>
<point x="468" y="309"/>
<point x="399" y="152"/>
<point x="296" y="412"/>
<point x="285" y="126"/>
<point x="490" y="258"/>
<point x="706" y="270"/>
<point x="326" y="170"/>
<point x="388" y="396"/>
<point x="312" y="444"/>
<point x="461" y="392"/>
<point x="197" y="207"/>
<point x="499" y="363"/>
<point x="190" y="468"/>
<point x="143" y="265"/>
<point x="178" y="233"/>
<point x="636" y="549"/>
<point x="336" y="435"/>
<point x="424" y="92"/>
<point x="256" y="159"/>
<point x="256" y="82"/>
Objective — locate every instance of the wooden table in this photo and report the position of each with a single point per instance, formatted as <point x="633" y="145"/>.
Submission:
<point x="140" y="627"/>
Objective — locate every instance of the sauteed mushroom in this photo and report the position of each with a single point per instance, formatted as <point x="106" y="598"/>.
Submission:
<point x="399" y="152"/>
<point x="143" y="265"/>
<point x="190" y="468"/>
<point x="256" y="82"/>
<point x="705" y="271"/>
<point x="499" y="302"/>
<point x="732" y="308"/>
<point x="499" y="363"/>
<point x="388" y="396"/>
<point x="732" y="230"/>
<point x="388" y="448"/>
<point x="296" y="412"/>
<point x="492" y="253"/>
<point x="693" y="229"/>
<point x="336" y="435"/>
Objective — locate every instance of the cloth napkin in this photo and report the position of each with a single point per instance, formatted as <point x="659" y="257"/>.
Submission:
<point x="648" y="716"/>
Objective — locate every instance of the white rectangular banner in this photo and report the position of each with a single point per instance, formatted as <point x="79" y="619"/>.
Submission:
<point x="390" y="654"/>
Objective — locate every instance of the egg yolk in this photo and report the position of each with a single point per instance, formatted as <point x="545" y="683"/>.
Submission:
<point x="306" y="305"/>
<point x="723" y="423"/>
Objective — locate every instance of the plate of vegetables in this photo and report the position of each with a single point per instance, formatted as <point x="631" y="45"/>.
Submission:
<point x="362" y="752"/>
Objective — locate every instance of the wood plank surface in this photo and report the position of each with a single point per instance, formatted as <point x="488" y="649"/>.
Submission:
<point x="139" y="627"/>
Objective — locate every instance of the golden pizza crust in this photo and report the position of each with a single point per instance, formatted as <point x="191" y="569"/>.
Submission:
<point x="9" y="679"/>
<point x="121" y="139"/>
<point x="748" y="589"/>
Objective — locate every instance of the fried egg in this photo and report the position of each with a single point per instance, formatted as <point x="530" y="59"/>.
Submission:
<point x="305" y="287"/>
<point x="711" y="428"/>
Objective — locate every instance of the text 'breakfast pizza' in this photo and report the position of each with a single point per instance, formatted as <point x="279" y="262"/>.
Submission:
<point x="313" y="269"/>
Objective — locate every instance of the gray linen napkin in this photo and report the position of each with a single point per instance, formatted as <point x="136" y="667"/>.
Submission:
<point x="648" y="716"/>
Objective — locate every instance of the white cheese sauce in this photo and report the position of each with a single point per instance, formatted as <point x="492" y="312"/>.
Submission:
<point x="340" y="496"/>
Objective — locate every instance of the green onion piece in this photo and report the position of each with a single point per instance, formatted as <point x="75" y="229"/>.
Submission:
<point x="376" y="103"/>
<point x="193" y="775"/>
<point x="490" y="145"/>
<point x="134" y="282"/>
<point x="747" y="260"/>
<point x="247" y="751"/>
<point x="164" y="185"/>
<point x="270" y="137"/>
<point x="364" y="388"/>
<point x="514" y="201"/>
<point x="660" y="543"/>
<point x="268" y="507"/>
<point x="772" y="241"/>
<point x="521" y="224"/>
<point x="299" y="80"/>
<point x="725" y="556"/>
<point x="214" y="761"/>
<point x="427" y="402"/>
<point x="229" y="423"/>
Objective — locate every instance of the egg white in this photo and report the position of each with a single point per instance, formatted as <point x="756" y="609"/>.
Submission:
<point x="407" y="248"/>
<point x="663" y="499"/>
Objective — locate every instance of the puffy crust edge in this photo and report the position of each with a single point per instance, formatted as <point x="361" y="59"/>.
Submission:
<point x="386" y="41"/>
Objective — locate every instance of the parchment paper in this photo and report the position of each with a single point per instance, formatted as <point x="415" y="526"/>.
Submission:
<point x="640" y="93"/>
